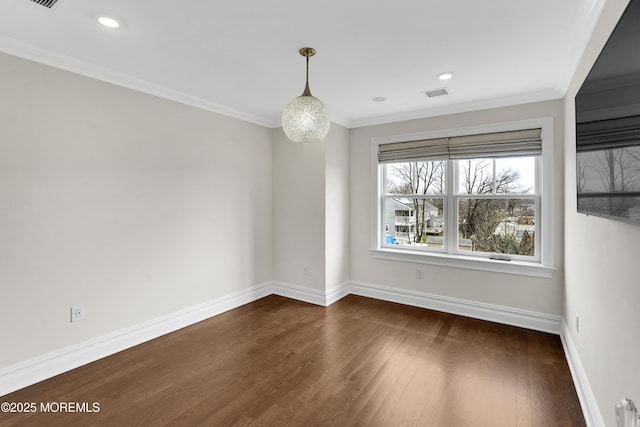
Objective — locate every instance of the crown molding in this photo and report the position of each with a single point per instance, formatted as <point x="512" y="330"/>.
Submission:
<point x="507" y="101"/>
<point x="593" y="10"/>
<point x="32" y="53"/>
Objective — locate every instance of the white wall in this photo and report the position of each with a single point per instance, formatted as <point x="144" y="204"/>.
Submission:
<point x="520" y="292"/>
<point x="310" y="210"/>
<point x="602" y="281"/>
<point x="298" y="212"/>
<point x="133" y="206"/>
<point x="337" y="207"/>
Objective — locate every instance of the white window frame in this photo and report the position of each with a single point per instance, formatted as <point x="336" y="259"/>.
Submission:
<point x="543" y="263"/>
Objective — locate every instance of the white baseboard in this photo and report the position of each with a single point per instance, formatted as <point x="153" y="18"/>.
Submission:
<point x="300" y="293"/>
<point x="54" y="363"/>
<point x="38" y="369"/>
<point x="337" y="293"/>
<point x="590" y="409"/>
<point x="494" y="313"/>
<point x="29" y="372"/>
<point x="309" y="295"/>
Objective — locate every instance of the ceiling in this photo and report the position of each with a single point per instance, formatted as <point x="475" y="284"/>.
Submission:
<point x="241" y="58"/>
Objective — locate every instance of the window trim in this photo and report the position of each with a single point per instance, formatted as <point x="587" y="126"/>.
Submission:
<point x="543" y="267"/>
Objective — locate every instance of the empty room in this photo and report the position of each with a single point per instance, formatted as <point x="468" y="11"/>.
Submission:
<point x="319" y="213"/>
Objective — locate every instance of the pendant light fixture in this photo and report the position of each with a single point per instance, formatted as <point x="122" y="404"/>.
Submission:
<point x="306" y="118"/>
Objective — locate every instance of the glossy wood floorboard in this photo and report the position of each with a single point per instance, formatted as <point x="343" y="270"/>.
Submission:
<point x="359" y="362"/>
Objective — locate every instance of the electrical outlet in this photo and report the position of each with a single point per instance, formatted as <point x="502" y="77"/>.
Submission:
<point x="305" y="270"/>
<point x="420" y="273"/>
<point x="77" y="313"/>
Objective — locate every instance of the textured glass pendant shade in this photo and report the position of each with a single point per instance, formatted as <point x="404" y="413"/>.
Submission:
<point x="306" y="118"/>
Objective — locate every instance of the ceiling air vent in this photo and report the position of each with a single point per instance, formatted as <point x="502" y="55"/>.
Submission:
<point x="436" y="92"/>
<point x="45" y="3"/>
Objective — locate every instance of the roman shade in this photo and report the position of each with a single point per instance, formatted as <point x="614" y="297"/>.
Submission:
<point x="526" y="142"/>
<point x="608" y="134"/>
<point x="427" y="149"/>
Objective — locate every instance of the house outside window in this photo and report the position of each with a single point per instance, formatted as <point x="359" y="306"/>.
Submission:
<point x="472" y="197"/>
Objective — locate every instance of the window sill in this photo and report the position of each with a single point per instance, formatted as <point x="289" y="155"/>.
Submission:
<point x="473" y="263"/>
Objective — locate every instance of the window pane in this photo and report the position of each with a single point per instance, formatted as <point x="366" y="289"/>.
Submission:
<point x="505" y="226"/>
<point x="511" y="175"/>
<point x="415" y="177"/>
<point x="518" y="175"/>
<point x="475" y="176"/>
<point x="414" y="221"/>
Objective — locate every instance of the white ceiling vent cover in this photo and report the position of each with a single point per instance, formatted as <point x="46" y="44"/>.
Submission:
<point x="436" y="92"/>
<point x="45" y="3"/>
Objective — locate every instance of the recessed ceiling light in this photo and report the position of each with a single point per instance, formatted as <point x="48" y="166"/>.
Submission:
<point x="445" y="76"/>
<point x="108" y="22"/>
<point x="379" y="99"/>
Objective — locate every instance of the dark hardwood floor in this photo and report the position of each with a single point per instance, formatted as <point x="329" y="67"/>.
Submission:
<point x="359" y="362"/>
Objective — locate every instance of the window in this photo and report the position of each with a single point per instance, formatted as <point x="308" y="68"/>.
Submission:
<point x="473" y="198"/>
